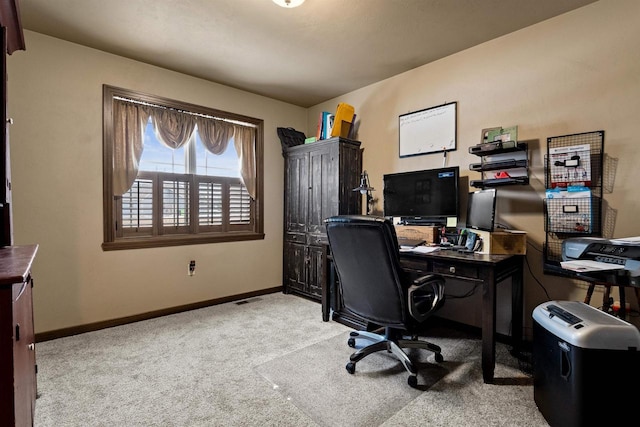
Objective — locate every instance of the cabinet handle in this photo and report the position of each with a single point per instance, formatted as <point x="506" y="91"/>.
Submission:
<point x="452" y="270"/>
<point x="31" y="346"/>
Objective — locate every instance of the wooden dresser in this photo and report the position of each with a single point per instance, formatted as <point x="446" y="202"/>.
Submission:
<point x="17" y="341"/>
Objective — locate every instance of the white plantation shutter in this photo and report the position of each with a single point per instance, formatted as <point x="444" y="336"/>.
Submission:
<point x="210" y="204"/>
<point x="222" y="204"/>
<point x="137" y="208"/>
<point x="175" y="205"/>
<point x="239" y="205"/>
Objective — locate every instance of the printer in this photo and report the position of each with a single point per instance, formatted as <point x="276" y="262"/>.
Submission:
<point x="625" y="252"/>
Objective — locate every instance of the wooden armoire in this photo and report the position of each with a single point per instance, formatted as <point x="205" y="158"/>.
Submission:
<point x="319" y="182"/>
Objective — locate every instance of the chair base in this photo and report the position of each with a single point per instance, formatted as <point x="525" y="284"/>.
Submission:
<point x="393" y="342"/>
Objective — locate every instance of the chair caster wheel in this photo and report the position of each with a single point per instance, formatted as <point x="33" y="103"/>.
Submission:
<point x="351" y="367"/>
<point x="439" y="357"/>
<point x="412" y="381"/>
<point x="351" y="342"/>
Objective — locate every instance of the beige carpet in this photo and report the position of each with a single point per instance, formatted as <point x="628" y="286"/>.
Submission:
<point x="217" y="366"/>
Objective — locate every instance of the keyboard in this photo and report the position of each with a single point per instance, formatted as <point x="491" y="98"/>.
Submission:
<point x="453" y="247"/>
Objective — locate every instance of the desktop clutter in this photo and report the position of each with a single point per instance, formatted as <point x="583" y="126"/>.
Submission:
<point x="421" y="238"/>
<point x="466" y="241"/>
<point x="435" y="238"/>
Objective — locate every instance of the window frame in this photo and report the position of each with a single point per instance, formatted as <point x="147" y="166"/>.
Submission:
<point x="115" y="240"/>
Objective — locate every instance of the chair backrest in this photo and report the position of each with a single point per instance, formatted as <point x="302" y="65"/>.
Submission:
<point x="366" y="258"/>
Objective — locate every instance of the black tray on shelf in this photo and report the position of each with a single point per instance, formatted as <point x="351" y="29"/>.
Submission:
<point x="497" y="147"/>
<point x="496" y="182"/>
<point x="503" y="164"/>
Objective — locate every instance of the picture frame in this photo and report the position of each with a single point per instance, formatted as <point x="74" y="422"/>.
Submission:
<point x="503" y="134"/>
<point x="484" y="137"/>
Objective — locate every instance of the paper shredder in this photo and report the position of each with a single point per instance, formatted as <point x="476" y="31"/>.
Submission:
<point x="584" y="360"/>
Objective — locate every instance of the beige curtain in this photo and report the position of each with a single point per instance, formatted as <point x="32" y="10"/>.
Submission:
<point x="172" y="128"/>
<point x="214" y="134"/>
<point x="129" y="123"/>
<point x="244" y="141"/>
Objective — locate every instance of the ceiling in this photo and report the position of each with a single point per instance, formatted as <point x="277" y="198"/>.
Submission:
<point x="303" y="56"/>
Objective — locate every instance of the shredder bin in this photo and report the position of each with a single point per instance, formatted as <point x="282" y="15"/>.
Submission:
<point x="584" y="361"/>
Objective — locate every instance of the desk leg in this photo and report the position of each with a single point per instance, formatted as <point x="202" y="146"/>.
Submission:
<point x="517" y="310"/>
<point x="489" y="327"/>
<point x="325" y="302"/>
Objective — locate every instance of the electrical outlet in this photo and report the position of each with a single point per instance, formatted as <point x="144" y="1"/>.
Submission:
<point x="192" y="267"/>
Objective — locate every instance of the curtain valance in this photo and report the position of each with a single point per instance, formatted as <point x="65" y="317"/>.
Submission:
<point x="174" y="128"/>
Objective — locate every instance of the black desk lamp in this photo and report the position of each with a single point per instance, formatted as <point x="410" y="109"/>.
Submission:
<point x="365" y="189"/>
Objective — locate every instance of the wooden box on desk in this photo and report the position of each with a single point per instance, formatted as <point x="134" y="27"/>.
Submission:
<point x="503" y="242"/>
<point x="429" y="234"/>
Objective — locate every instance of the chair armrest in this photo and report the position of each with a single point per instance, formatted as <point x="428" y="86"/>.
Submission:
<point x="426" y="295"/>
<point x="424" y="279"/>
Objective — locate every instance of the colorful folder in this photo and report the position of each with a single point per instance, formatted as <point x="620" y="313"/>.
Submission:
<point x="343" y="118"/>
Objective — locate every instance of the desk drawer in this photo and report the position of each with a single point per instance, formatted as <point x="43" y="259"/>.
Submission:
<point x="414" y="264"/>
<point x="459" y="270"/>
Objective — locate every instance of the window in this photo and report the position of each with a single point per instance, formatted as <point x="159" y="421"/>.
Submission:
<point x="177" y="173"/>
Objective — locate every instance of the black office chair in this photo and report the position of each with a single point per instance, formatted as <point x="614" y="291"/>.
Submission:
<point x="374" y="286"/>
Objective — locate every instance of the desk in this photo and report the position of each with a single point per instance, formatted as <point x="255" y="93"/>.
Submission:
<point x="483" y="268"/>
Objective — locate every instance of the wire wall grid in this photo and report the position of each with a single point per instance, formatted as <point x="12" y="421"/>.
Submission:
<point x="572" y="161"/>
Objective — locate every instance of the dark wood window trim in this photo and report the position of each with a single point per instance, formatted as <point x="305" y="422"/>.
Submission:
<point x="195" y="234"/>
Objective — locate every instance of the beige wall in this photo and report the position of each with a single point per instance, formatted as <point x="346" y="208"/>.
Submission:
<point x="575" y="73"/>
<point x="55" y="99"/>
<point x="579" y="72"/>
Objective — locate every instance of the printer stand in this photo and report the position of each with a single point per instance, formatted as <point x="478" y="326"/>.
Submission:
<point x="622" y="312"/>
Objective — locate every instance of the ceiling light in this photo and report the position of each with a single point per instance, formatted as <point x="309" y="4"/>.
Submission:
<point x="288" y="3"/>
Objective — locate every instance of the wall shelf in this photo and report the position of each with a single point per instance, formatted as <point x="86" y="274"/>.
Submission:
<point x="508" y="158"/>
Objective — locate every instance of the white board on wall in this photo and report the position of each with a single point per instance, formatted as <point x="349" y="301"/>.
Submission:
<point x="432" y="130"/>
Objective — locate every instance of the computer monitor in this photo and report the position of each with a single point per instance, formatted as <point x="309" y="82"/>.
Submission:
<point x="481" y="209"/>
<point x="428" y="197"/>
